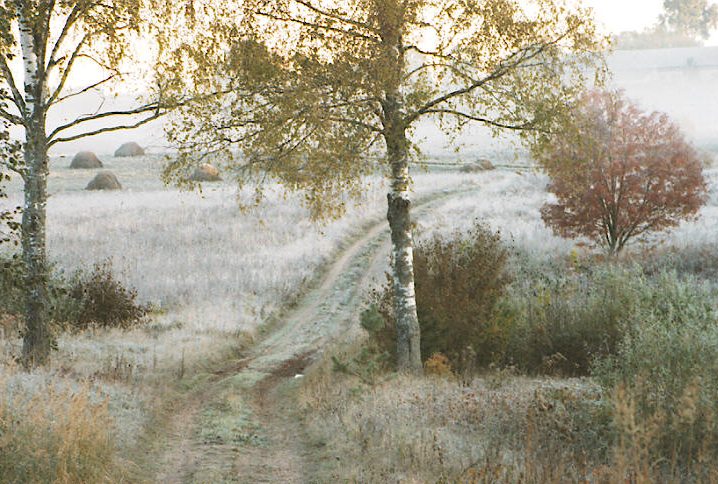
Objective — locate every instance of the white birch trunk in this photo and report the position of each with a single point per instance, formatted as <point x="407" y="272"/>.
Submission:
<point x="399" y="217"/>
<point x="37" y="340"/>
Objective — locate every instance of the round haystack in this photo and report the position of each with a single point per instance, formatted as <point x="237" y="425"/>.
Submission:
<point x="85" y="160"/>
<point x="129" y="149"/>
<point x="479" y="165"/>
<point x="206" y="173"/>
<point x="105" y="180"/>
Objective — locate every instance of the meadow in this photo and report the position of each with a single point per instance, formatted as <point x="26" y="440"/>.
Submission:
<point x="214" y="275"/>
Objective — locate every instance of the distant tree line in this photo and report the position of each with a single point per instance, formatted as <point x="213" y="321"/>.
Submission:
<point x="683" y="23"/>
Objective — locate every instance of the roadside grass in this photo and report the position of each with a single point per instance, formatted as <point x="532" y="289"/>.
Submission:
<point x="215" y="275"/>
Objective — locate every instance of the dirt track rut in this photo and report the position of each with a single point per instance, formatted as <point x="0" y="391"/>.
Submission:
<point x="241" y="426"/>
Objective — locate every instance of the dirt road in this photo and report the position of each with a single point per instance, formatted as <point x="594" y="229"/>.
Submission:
<point x="241" y="425"/>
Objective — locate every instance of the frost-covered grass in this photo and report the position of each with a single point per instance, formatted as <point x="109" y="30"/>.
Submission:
<point x="211" y="271"/>
<point x="214" y="273"/>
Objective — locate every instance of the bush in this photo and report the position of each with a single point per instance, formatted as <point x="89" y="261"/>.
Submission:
<point x="460" y="282"/>
<point x="11" y="284"/>
<point x="564" y="322"/>
<point x="103" y="301"/>
<point x="666" y="367"/>
<point x="89" y="299"/>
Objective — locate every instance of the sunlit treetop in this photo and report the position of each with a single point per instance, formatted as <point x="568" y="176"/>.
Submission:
<point x="310" y="88"/>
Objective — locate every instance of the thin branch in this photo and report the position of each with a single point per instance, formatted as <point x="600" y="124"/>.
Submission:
<point x="17" y="98"/>
<point x="511" y="62"/>
<point x="107" y="114"/>
<point x="108" y="129"/>
<point x="66" y="73"/>
<point x="449" y="67"/>
<point x="318" y="26"/>
<point x="527" y="126"/>
<point x="337" y="17"/>
<point x="354" y="122"/>
<point x="17" y="120"/>
<point x="86" y="89"/>
<point x="72" y="17"/>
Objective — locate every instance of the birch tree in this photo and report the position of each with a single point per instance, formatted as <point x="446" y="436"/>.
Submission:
<point x="308" y="90"/>
<point x="49" y="39"/>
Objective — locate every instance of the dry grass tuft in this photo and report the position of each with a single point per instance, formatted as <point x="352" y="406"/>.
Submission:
<point x="57" y="436"/>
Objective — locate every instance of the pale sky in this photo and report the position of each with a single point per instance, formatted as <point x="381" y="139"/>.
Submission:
<point x="621" y="15"/>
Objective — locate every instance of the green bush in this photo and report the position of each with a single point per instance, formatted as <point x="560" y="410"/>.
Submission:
<point x="564" y="322"/>
<point x="667" y="365"/>
<point x="460" y="282"/>
<point x="11" y="283"/>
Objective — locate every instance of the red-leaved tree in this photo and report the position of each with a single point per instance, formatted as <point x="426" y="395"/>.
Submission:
<point x="618" y="173"/>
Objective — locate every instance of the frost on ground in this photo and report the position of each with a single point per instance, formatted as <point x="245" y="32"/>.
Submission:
<point x="210" y="270"/>
<point x="213" y="272"/>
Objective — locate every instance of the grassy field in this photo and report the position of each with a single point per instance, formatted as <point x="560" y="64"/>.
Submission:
<point x="214" y="275"/>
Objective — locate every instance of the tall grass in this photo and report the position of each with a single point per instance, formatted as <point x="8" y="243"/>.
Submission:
<point x="58" y="435"/>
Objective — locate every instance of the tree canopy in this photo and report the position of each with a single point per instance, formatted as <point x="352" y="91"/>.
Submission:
<point x="619" y="173"/>
<point x="304" y="85"/>
<point x="695" y="18"/>
<point x="308" y="92"/>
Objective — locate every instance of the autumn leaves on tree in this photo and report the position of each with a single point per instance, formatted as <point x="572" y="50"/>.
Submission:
<point x="618" y="173"/>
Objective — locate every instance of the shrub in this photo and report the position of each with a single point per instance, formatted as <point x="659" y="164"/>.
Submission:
<point x="565" y="321"/>
<point x="666" y="366"/>
<point x="438" y="365"/>
<point x="103" y="301"/>
<point x="11" y="284"/>
<point x="460" y="282"/>
<point x="89" y="299"/>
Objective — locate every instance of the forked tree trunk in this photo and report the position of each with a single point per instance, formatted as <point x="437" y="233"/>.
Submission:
<point x="37" y="340"/>
<point x="407" y="323"/>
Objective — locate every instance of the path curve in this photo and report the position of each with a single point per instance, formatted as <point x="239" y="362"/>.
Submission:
<point x="240" y="426"/>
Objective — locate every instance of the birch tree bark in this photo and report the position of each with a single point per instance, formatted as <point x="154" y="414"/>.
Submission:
<point x="37" y="341"/>
<point x="408" y="348"/>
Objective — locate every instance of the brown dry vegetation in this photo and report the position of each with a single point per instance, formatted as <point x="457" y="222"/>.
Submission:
<point x="497" y="428"/>
<point x="63" y="435"/>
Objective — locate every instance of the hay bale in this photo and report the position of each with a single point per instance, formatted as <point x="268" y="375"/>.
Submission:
<point x="206" y="173"/>
<point x="129" y="149"/>
<point x="85" y="160"/>
<point x="479" y="165"/>
<point x="105" y="180"/>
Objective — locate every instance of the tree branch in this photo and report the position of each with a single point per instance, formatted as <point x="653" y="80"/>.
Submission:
<point x="66" y="73"/>
<point x="318" y="26"/>
<point x="17" y="120"/>
<point x="337" y="17"/>
<point x="107" y="114"/>
<point x="17" y="98"/>
<point x="354" y="122"/>
<point x="520" y="56"/>
<point x="107" y="129"/>
<point x="69" y="22"/>
<point x="86" y="89"/>
<point x="527" y="126"/>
